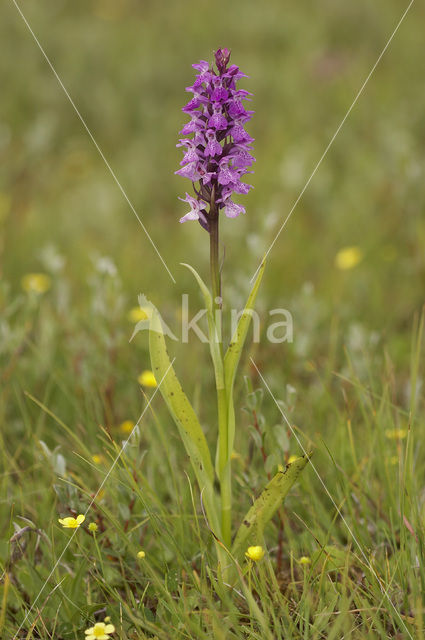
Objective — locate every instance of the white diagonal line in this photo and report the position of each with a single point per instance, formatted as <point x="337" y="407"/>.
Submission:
<point x="102" y="484"/>
<point x="384" y="592"/>
<point x="360" y="91"/>
<point x="83" y="122"/>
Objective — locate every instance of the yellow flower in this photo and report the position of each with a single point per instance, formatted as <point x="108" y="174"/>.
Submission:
<point x="255" y="553"/>
<point x="396" y="434"/>
<point x="292" y="459"/>
<point x="141" y="554"/>
<point x="348" y="258"/>
<point x="98" y="458"/>
<point x="147" y="379"/>
<point x="100" y="631"/>
<point x="136" y="314"/>
<point x="72" y="523"/>
<point x="304" y="560"/>
<point x="36" y="282"/>
<point x="93" y="527"/>
<point x="127" y="426"/>
<point x="107" y="619"/>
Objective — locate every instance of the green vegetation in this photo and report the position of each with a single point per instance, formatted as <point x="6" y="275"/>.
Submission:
<point x="344" y="555"/>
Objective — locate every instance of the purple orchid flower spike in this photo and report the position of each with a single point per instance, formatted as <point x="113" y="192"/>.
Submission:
<point x="219" y="153"/>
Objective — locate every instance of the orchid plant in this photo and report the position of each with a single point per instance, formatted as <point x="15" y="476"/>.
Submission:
<point x="217" y="153"/>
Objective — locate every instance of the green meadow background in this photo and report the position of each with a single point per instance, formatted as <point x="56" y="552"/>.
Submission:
<point x="351" y="381"/>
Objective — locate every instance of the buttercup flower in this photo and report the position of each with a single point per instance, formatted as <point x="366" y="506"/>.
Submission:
<point x="141" y="554"/>
<point x="147" y="379"/>
<point x="100" y="631"/>
<point x="304" y="560"/>
<point x="396" y="434"/>
<point x="36" y="282"/>
<point x="218" y="154"/>
<point x="348" y="258"/>
<point x="72" y="523"/>
<point x="127" y="426"/>
<point x="136" y="314"/>
<point x="255" y="553"/>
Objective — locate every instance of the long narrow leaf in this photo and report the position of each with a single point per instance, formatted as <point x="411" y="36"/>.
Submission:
<point x="222" y="453"/>
<point x="233" y="354"/>
<point x="265" y="506"/>
<point x="214" y="339"/>
<point x="184" y="416"/>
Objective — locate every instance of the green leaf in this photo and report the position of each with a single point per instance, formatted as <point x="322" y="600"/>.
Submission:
<point x="214" y="334"/>
<point x="184" y="416"/>
<point x="222" y="454"/>
<point x="265" y="506"/>
<point x="233" y="354"/>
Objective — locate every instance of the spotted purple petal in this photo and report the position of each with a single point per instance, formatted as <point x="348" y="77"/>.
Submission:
<point x="218" y="121"/>
<point x="239" y="134"/>
<point x="226" y="175"/>
<point x="213" y="148"/>
<point x="197" y="209"/>
<point x="232" y="210"/>
<point x="190" y="171"/>
<point x="219" y="95"/>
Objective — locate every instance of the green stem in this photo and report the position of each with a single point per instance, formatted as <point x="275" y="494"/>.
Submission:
<point x="223" y="453"/>
<point x="99" y="555"/>
<point x="214" y="266"/>
<point x="226" y="500"/>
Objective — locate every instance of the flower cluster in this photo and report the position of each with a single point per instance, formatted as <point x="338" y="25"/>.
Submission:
<point x="219" y="153"/>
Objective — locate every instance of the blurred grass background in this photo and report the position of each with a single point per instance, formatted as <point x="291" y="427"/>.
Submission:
<point x="125" y="65"/>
